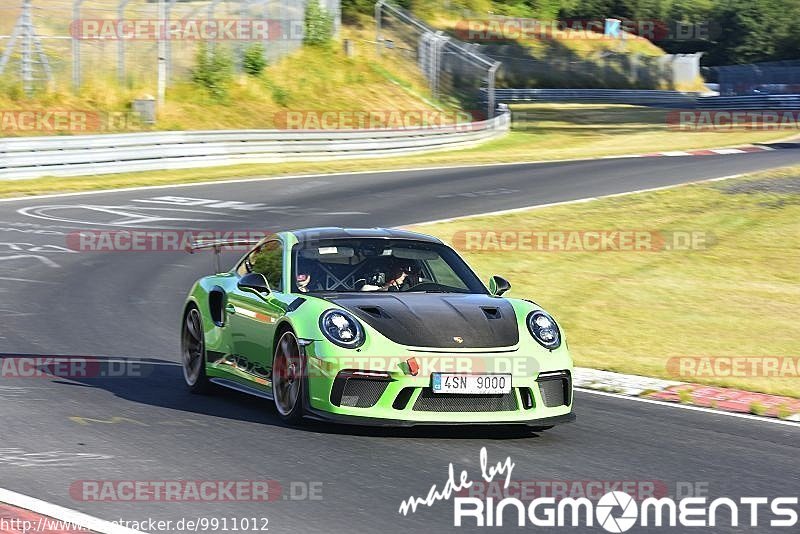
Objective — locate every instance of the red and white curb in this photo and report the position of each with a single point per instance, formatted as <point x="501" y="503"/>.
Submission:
<point x="698" y="152"/>
<point x="684" y="393"/>
<point x="619" y="383"/>
<point x="20" y="514"/>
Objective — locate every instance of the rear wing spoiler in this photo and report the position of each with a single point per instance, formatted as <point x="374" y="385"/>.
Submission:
<point x="218" y="245"/>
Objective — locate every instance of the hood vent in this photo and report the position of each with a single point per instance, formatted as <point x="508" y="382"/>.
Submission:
<point x="375" y="311"/>
<point x="491" y="313"/>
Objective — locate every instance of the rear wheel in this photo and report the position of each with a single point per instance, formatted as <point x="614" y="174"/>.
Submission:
<point x="193" y="352"/>
<point x="288" y="383"/>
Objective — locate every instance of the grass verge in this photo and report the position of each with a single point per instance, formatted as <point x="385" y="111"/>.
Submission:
<point x="735" y="293"/>
<point x="308" y="79"/>
<point x="540" y="132"/>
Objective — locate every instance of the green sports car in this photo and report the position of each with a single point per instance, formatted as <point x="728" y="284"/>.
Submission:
<point x="376" y="327"/>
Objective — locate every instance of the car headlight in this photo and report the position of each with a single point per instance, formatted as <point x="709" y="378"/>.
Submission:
<point x="341" y="328"/>
<point x="544" y="330"/>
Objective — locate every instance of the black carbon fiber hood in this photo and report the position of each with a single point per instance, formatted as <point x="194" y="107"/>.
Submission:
<point x="435" y="320"/>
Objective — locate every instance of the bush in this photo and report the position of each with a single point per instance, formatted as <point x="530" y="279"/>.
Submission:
<point x="213" y="71"/>
<point x="318" y="25"/>
<point x="254" y="61"/>
<point x="280" y="96"/>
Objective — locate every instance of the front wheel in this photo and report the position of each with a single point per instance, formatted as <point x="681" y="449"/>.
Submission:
<point x="288" y="384"/>
<point x="193" y="352"/>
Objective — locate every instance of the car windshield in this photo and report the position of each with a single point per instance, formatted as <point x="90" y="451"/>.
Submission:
<point x="366" y="264"/>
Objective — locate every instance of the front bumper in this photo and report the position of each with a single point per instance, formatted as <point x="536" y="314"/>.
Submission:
<point x="360" y="420"/>
<point x="400" y="399"/>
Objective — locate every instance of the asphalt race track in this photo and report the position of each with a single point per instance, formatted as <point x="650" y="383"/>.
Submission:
<point x="126" y="305"/>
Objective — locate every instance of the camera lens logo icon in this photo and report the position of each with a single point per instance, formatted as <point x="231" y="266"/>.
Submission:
<point x="606" y="505"/>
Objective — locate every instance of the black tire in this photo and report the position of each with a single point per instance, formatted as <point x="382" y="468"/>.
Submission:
<point x="288" y="379"/>
<point x="193" y="352"/>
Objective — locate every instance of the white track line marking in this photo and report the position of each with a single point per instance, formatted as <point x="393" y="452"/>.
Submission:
<point x="691" y="408"/>
<point x="566" y="202"/>
<point x="63" y="514"/>
<point x="723" y="151"/>
<point x="323" y="175"/>
<point x="10" y="279"/>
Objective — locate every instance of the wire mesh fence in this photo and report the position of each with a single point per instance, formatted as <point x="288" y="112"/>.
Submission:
<point x="72" y="42"/>
<point x="453" y="69"/>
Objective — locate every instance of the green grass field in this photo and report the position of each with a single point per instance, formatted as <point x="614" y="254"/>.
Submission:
<point x="735" y="293"/>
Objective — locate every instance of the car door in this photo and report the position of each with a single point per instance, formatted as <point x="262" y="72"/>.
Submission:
<point x="252" y="316"/>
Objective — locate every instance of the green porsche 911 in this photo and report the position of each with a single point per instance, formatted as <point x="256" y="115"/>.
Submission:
<point x="376" y="327"/>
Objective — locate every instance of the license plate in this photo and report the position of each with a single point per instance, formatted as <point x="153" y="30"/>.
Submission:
<point x="471" y="384"/>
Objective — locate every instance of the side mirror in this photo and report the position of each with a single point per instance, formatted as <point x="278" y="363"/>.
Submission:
<point x="498" y="285"/>
<point x="254" y="282"/>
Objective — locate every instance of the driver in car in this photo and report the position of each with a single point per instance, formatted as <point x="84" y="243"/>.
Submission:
<point x="398" y="276"/>
<point x="303" y="279"/>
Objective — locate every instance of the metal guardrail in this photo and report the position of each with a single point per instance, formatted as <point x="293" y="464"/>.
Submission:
<point x="32" y="157"/>
<point x="646" y="97"/>
<point x="606" y="96"/>
<point x="750" y="102"/>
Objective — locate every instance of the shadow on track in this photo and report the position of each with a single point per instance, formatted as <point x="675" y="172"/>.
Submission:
<point x="782" y="145"/>
<point x="160" y="383"/>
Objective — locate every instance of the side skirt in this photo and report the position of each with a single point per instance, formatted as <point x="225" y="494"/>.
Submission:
<point x="230" y="384"/>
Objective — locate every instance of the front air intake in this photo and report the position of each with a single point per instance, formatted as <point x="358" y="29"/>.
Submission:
<point x="555" y="388"/>
<point x="428" y="401"/>
<point x="358" y="390"/>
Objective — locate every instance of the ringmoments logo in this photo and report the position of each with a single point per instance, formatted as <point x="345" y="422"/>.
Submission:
<point x="614" y="511"/>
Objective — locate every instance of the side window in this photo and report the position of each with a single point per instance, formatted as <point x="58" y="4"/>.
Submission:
<point x="267" y="260"/>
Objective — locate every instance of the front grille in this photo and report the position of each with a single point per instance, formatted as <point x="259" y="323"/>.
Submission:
<point x="362" y="392"/>
<point x="555" y="390"/>
<point x="428" y="401"/>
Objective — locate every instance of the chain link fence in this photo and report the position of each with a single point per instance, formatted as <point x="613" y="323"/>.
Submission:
<point x="453" y="69"/>
<point x="67" y="43"/>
